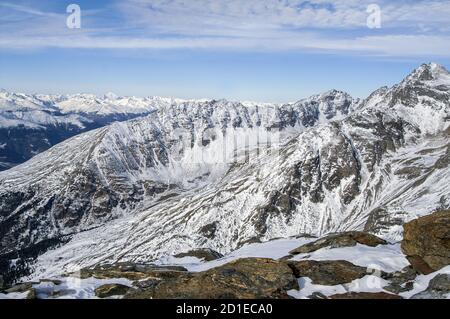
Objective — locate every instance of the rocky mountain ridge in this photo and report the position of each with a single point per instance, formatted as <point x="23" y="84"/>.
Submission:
<point x="220" y="175"/>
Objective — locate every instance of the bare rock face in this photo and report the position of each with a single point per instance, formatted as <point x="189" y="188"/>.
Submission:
<point x="110" y="290"/>
<point x="365" y="295"/>
<point x="380" y="220"/>
<point x="250" y="278"/>
<point x="328" y="273"/>
<point x="204" y="254"/>
<point x="347" y="239"/>
<point x="426" y="242"/>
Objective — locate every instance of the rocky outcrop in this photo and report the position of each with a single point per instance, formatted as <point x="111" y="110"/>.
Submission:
<point x="438" y="288"/>
<point x="204" y="254"/>
<point x="401" y="281"/>
<point x="21" y="287"/>
<point x="250" y="278"/>
<point x="347" y="239"/>
<point x="328" y="273"/>
<point x="32" y="294"/>
<point x="426" y="242"/>
<point x="129" y="271"/>
<point x="379" y="220"/>
<point x="420" y="265"/>
<point x="110" y="290"/>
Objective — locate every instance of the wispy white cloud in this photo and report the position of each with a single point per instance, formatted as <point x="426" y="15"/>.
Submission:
<point x="410" y="28"/>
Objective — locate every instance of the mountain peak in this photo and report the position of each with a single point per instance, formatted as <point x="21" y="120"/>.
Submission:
<point x="428" y="72"/>
<point x="110" y="96"/>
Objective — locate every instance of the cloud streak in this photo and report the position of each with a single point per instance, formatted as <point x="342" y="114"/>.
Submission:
<point x="410" y="28"/>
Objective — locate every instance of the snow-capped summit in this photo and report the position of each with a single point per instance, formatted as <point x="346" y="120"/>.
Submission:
<point x="110" y="96"/>
<point x="423" y="97"/>
<point x="431" y="74"/>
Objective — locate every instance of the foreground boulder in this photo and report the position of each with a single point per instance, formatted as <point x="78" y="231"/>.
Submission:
<point x="110" y="290"/>
<point x="204" y="254"/>
<point x="438" y="288"/>
<point x="426" y="242"/>
<point x="249" y="278"/>
<point x="347" y="239"/>
<point x="328" y="273"/>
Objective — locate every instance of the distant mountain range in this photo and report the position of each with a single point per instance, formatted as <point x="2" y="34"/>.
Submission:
<point x="31" y="124"/>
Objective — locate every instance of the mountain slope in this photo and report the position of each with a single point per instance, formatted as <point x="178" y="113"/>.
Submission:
<point x="221" y="174"/>
<point x="31" y="124"/>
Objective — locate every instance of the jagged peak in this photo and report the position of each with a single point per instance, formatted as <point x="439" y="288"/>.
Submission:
<point x="428" y="72"/>
<point x="334" y="92"/>
<point x="110" y="96"/>
<point x="325" y="95"/>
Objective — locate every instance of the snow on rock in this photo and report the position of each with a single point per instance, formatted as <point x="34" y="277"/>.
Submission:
<point x="421" y="283"/>
<point x="388" y="258"/>
<point x="274" y="249"/>
<point x="369" y="283"/>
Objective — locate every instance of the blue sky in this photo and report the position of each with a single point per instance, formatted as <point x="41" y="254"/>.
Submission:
<point x="263" y="50"/>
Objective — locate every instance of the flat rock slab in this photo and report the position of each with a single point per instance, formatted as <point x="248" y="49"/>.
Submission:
<point x="347" y="239"/>
<point x="129" y="271"/>
<point x="249" y="278"/>
<point x="110" y="290"/>
<point x="204" y="254"/>
<point x="22" y="287"/>
<point x="365" y="295"/>
<point x="328" y="273"/>
<point x="426" y="242"/>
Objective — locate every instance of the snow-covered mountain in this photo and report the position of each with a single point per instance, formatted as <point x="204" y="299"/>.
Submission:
<point x="220" y="174"/>
<point x="31" y="124"/>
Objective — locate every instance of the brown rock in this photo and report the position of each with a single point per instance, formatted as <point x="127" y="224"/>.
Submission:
<point x="420" y="265"/>
<point x="250" y="278"/>
<point x="108" y="274"/>
<point x="427" y="242"/>
<point x="347" y="239"/>
<point x="365" y="295"/>
<point x="129" y="271"/>
<point x="32" y="294"/>
<point x="56" y="282"/>
<point x="328" y="273"/>
<point x="204" y="254"/>
<point x="110" y="290"/>
<point x="22" y="287"/>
